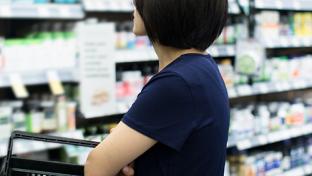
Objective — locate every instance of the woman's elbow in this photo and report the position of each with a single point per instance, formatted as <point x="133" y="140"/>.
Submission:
<point x="90" y="165"/>
<point x="98" y="167"/>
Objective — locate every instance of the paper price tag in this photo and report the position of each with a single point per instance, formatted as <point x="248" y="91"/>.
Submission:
<point x="55" y="83"/>
<point x="18" y="86"/>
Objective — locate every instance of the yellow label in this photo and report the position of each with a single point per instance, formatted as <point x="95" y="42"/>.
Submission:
<point x="55" y="83"/>
<point x="18" y="86"/>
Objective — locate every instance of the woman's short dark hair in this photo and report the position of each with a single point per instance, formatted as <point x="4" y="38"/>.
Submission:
<point x="183" y="24"/>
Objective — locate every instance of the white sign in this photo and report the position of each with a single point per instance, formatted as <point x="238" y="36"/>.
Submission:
<point x="97" y="69"/>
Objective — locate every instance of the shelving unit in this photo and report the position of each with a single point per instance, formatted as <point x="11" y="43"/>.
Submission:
<point x="40" y="77"/>
<point x="126" y="6"/>
<point x="269" y="87"/>
<point x="288" y="42"/>
<point x="300" y="171"/>
<point x="300" y="5"/>
<point x="143" y="55"/>
<point x="23" y="147"/>
<point x="270" y="138"/>
<point x="42" y="11"/>
<point x="131" y="59"/>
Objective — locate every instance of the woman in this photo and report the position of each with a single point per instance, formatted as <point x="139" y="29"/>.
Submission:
<point x="179" y="123"/>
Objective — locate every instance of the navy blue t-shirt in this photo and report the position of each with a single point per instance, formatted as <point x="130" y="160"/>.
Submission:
<point x="185" y="108"/>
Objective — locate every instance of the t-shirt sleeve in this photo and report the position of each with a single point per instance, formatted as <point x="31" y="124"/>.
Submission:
<point x="164" y="110"/>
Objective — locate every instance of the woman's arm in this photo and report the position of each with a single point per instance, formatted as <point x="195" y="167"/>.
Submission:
<point x="120" y="148"/>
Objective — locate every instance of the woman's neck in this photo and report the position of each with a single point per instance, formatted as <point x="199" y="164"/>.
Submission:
<point x="166" y="55"/>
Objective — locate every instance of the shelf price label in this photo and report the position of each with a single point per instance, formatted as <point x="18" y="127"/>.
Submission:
<point x="55" y="83"/>
<point x="18" y="86"/>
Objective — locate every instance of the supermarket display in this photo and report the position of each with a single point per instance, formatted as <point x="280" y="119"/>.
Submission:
<point x="284" y="30"/>
<point x="43" y="9"/>
<point x="271" y="104"/>
<point x="293" y="159"/>
<point x="37" y="115"/>
<point x="264" y="118"/>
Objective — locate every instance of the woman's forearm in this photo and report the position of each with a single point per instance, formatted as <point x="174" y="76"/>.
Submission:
<point x="97" y="165"/>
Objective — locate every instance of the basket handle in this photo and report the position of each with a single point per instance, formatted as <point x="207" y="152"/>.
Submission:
<point x="43" y="138"/>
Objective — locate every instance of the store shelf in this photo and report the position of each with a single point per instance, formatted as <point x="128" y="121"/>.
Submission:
<point x="270" y="138"/>
<point x="300" y="171"/>
<point x="301" y="5"/>
<point x="25" y="146"/>
<point x="42" y="11"/>
<point x="39" y="77"/>
<point x="135" y="55"/>
<point x="288" y="42"/>
<point x="127" y="7"/>
<point x="143" y="55"/>
<point x="270" y="87"/>
<point x="107" y="6"/>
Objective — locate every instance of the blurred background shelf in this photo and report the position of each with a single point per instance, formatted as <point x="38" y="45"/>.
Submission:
<point x="271" y="137"/>
<point x="126" y="6"/>
<point x="148" y="54"/>
<point x="289" y="42"/>
<point x="41" y="11"/>
<point x="300" y="5"/>
<point x="269" y="87"/>
<point x="39" y="77"/>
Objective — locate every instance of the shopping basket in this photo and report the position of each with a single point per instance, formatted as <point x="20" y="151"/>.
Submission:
<point x="15" y="166"/>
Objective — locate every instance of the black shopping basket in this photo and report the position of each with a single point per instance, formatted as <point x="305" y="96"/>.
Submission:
<point x="14" y="166"/>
